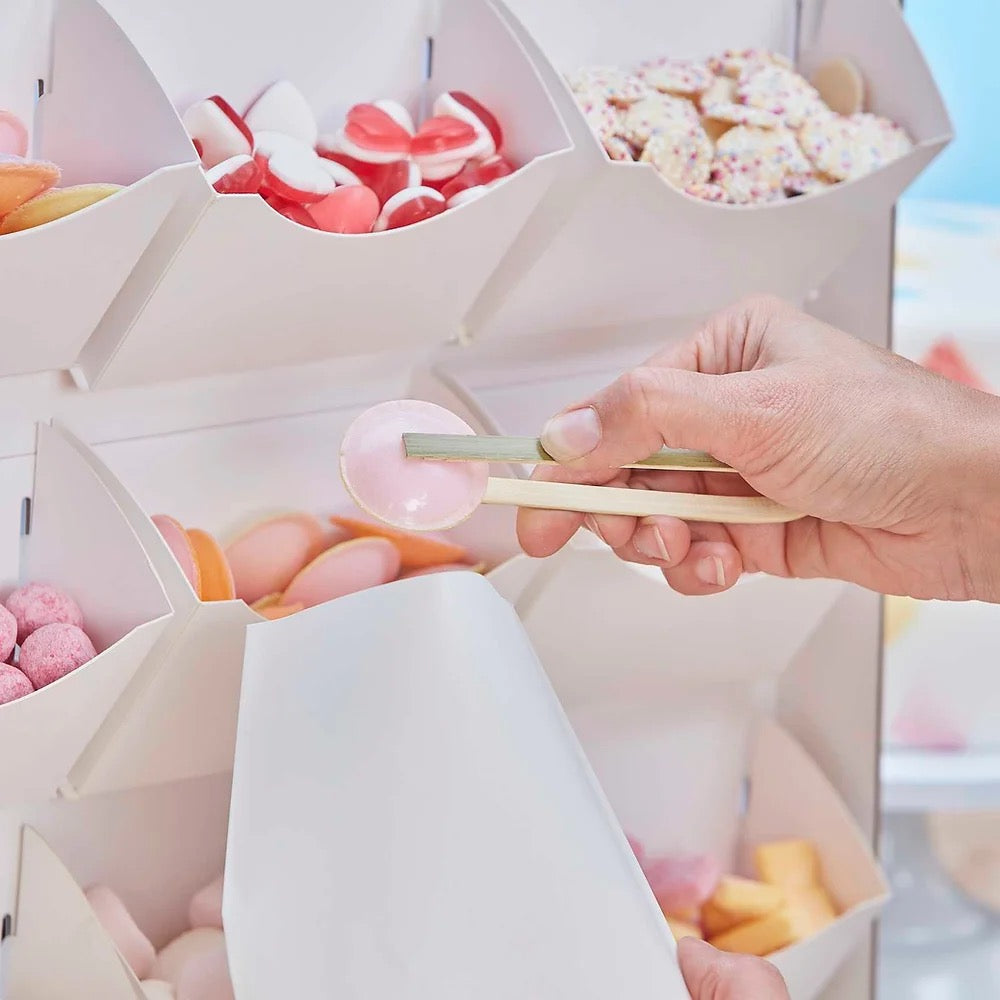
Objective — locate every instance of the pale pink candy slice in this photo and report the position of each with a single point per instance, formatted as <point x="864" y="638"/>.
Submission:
<point x="282" y="108"/>
<point x="13" y="135"/>
<point x="397" y="113"/>
<point x="345" y="569"/>
<point x="351" y="210"/>
<point x="180" y="547"/>
<point x="413" y="494"/>
<point x="132" y="944"/>
<point x="265" y="558"/>
<point x="238" y="175"/>
<point x="218" y="132"/>
<point x="409" y="206"/>
<point x="683" y="882"/>
<point x="461" y="105"/>
<point x="172" y="960"/>
<point x="205" y="909"/>
<point x="206" y="977"/>
<point x="292" y="170"/>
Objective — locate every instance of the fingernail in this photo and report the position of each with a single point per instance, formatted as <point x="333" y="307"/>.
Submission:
<point x="711" y="571"/>
<point x="591" y="522"/>
<point x="649" y="542"/>
<point x="572" y="435"/>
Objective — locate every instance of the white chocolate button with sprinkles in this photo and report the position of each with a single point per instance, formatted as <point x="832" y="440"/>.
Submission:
<point x="653" y="114"/>
<point x="676" y="76"/>
<point x="682" y="154"/>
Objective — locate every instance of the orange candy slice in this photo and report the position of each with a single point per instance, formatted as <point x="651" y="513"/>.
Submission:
<point x="22" y="180"/>
<point x="216" y="577"/>
<point x="55" y="204"/>
<point x="417" y="551"/>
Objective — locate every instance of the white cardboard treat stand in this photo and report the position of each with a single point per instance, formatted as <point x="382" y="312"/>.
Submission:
<point x="121" y="772"/>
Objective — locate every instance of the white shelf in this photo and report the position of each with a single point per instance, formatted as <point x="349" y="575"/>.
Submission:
<point x="927" y="780"/>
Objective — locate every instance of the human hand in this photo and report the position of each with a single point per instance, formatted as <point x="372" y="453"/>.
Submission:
<point x="715" y="975"/>
<point x="897" y="468"/>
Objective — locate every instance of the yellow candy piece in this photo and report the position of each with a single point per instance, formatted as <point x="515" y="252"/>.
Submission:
<point x="681" y="929"/>
<point x="716" y="921"/>
<point x="55" y="204"/>
<point x="815" y="908"/>
<point x="743" y="898"/>
<point x="762" y="936"/>
<point x="789" y="864"/>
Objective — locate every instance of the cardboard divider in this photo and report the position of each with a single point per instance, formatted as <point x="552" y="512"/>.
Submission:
<point x="59" y="949"/>
<point x="81" y="541"/>
<point x="688" y="675"/>
<point x="673" y="254"/>
<point x="102" y="119"/>
<point x="249" y="289"/>
<point x="791" y="797"/>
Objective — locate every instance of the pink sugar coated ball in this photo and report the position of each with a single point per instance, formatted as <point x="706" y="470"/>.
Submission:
<point x="13" y="684"/>
<point x="8" y="633"/>
<point x="39" y="604"/>
<point x="53" y="651"/>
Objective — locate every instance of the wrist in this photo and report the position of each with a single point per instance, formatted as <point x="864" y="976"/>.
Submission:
<point x="977" y="495"/>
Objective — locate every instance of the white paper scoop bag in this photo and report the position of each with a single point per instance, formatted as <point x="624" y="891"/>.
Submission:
<point x="412" y="815"/>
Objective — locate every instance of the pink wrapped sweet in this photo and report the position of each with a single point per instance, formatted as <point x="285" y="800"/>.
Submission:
<point x="684" y="882"/>
<point x="132" y="944"/>
<point x="39" y="604"/>
<point x="182" y="951"/>
<point x="206" y="906"/>
<point x="53" y="651"/>
<point x="13" y="684"/>
<point x="206" y="977"/>
<point x="8" y="633"/>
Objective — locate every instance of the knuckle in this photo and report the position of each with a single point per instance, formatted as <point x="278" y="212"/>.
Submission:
<point x="641" y="388"/>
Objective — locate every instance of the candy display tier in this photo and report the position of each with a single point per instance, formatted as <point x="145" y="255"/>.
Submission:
<point x="219" y="352"/>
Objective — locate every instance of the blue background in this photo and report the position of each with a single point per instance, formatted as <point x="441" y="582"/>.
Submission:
<point x="961" y="40"/>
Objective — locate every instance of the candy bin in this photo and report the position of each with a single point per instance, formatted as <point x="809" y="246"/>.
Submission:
<point x="85" y="609"/>
<point x="376" y="176"/>
<point x="716" y="169"/>
<point x="99" y="161"/>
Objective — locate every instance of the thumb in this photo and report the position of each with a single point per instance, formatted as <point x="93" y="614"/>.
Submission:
<point x="715" y="975"/>
<point x="650" y="407"/>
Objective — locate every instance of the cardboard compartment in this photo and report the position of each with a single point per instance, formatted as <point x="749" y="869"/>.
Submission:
<point x="54" y="921"/>
<point x="102" y="118"/>
<point x="79" y="540"/>
<point x="677" y="685"/>
<point x="249" y="289"/>
<point x="671" y="255"/>
<point x="178" y="718"/>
